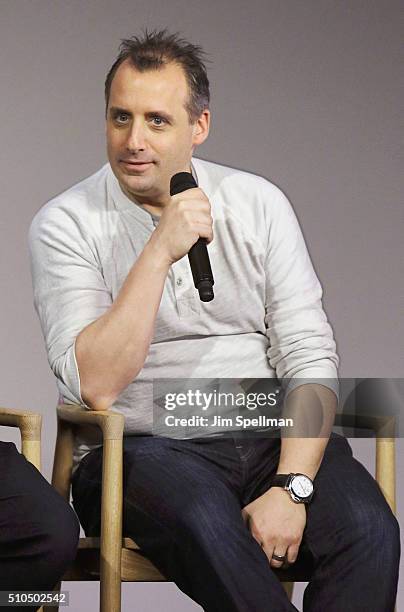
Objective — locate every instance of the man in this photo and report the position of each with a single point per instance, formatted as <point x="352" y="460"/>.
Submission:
<point x="39" y="531"/>
<point x="115" y="296"/>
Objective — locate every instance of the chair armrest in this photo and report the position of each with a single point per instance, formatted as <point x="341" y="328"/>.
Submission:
<point x="111" y="424"/>
<point x="69" y="418"/>
<point x="29" y="424"/>
<point x="384" y="426"/>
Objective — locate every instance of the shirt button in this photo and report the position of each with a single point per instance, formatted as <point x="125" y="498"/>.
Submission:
<point x="179" y="282"/>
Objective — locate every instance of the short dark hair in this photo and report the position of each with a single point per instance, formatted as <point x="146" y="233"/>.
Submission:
<point x="155" y="49"/>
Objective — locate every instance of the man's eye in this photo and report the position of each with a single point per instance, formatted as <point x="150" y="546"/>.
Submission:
<point x="159" y="119"/>
<point x="121" y="117"/>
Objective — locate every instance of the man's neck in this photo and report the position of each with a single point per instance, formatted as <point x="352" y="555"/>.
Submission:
<point x="154" y="207"/>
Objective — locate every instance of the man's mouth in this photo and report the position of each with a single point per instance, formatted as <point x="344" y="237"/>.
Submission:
<point x="135" y="164"/>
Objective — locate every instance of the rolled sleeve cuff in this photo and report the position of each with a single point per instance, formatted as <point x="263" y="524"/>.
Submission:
<point x="314" y="375"/>
<point x="68" y="379"/>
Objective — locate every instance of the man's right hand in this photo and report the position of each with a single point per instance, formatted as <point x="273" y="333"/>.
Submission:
<point x="186" y="218"/>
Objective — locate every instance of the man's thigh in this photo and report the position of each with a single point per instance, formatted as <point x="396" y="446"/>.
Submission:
<point x="177" y="484"/>
<point x="170" y="481"/>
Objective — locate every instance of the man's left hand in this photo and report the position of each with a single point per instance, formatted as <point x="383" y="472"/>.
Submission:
<point x="277" y="523"/>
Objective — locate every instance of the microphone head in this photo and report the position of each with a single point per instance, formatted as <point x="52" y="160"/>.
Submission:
<point x="181" y="182"/>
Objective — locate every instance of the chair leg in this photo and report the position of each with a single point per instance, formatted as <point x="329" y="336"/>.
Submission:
<point x="288" y="586"/>
<point x="386" y="469"/>
<point x="110" y="593"/>
<point x="54" y="607"/>
<point x="111" y="527"/>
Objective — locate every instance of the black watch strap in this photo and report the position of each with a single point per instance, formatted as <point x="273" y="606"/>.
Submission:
<point x="280" y="480"/>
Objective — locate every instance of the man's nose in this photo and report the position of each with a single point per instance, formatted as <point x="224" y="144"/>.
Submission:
<point x="136" y="138"/>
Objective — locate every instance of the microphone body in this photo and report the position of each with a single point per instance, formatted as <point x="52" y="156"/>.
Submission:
<point x="198" y="253"/>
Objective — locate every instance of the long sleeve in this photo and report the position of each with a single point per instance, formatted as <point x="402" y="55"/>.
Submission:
<point x="69" y="290"/>
<point x="302" y="347"/>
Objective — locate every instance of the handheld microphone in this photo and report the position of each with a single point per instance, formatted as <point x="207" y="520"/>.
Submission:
<point x="198" y="253"/>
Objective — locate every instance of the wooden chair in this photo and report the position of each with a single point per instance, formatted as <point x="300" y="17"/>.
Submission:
<point x="29" y="425"/>
<point x="111" y="558"/>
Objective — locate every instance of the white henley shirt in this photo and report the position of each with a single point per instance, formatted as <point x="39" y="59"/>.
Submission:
<point x="266" y="320"/>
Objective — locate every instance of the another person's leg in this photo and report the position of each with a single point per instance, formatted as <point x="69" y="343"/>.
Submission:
<point x="182" y="507"/>
<point x="39" y="531"/>
<point x="351" y="532"/>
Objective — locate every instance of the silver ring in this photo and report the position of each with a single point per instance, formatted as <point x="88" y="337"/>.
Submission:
<point x="281" y="558"/>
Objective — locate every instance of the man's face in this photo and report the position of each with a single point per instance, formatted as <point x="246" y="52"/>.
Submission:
<point x="147" y="122"/>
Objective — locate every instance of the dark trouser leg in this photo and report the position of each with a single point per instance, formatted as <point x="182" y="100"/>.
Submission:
<point x="350" y="530"/>
<point x="184" y="512"/>
<point x="38" y="530"/>
<point x="355" y="537"/>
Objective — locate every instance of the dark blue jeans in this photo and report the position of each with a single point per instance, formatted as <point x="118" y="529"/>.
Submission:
<point x="39" y="531"/>
<point x="182" y="506"/>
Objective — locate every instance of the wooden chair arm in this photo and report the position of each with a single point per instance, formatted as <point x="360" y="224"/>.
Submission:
<point x="29" y="424"/>
<point x="111" y="425"/>
<point x="384" y="426"/>
<point x="69" y="418"/>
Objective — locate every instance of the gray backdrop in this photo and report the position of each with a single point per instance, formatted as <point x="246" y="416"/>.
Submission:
<point x="304" y="93"/>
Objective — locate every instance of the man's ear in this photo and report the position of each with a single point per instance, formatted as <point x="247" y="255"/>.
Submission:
<point x="201" y="128"/>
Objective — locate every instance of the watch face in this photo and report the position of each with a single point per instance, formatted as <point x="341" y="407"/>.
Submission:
<point x="302" y="486"/>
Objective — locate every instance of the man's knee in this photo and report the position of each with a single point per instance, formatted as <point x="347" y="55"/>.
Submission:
<point x="375" y="529"/>
<point x="385" y="535"/>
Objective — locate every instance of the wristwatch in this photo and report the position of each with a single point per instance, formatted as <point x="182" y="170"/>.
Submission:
<point x="299" y="486"/>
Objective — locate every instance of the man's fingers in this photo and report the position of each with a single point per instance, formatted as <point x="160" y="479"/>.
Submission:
<point x="271" y="547"/>
<point x="293" y="551"/>
<point x="290" y="555"/>
<point x="279" y="550"/>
